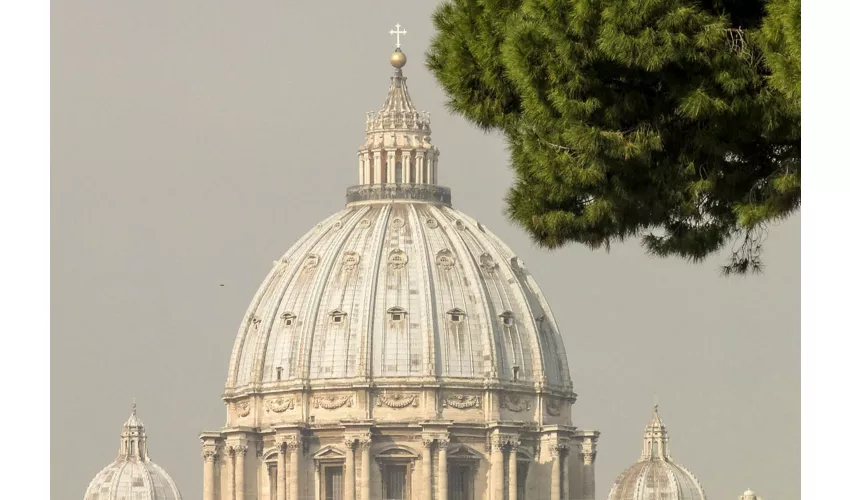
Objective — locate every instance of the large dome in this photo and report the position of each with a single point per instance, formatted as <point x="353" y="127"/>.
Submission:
<point x="398" y="349"/>
<point x="398" y="290"/>
<point x="132" y="476"/>
<point x="655" y="476"/>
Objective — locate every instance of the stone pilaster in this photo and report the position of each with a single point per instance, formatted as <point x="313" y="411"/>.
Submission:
<point x="442" y="468"/>
<point x="560" y="481"/>
<point x="281" y="470"/>
<point x="239" y="452"/>
<point x="391" y="167"/>
<point x="420" y="174"/>
<point x="427" y="480"/>
<point x="497" y="471"/>
<point x="210" y="461"/>
<point x="512" y="471"/>
<point x="405" y="170"/>
<point x="349" y="474"/>
<point x="293" y="449"/>
<point x="588" y="472"/>
<point x="365" y="468"/>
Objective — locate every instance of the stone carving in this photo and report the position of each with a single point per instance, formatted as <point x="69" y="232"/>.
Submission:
<point x="210" y="456"/>
<point x="397" y="400"/>
<point x="280" y="405"/>
<point x="239" y="450"/>
<point x="462" y="401"/>
<point x="487" y="262"/>
<point x="350" y="260"/>
<point x="333" y="401"/>
<point x="445" y="259"/>
<point x="397" y="222"/>
<point x="337" y="224"/>
<point x="243" y="408"/>
<point x="553" y="407"/>
<point x="311" y="261"/>
<point x="558" y="448"/>
<point x="588" y="451"/>
<point x="460" y="225"/>
<point x="397" y="259"/>
<point x="431" y="223"/>
<point x="364" y="223"/>
<point x="514" y="403"/>
<point x="442" y="442"/>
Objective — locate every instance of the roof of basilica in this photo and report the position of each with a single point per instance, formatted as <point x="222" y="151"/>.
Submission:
<point x="132" y="476"/>
<point x="656" y="476"/>
<point x="398" y="285"/>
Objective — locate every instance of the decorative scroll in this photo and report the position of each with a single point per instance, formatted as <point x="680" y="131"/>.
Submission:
<point x="280" y="405"/>
<point x="311" y="261"/>
<point x="487" y="262"/>
<point x="445" y="259"/>
<point x="398" y="400"/>
<point x="243" y="409"/>
<point x="553" y="407"/>
<point x="462" y="401"/>
<point x="514" y="403"/>
<point x="333" y="401"/>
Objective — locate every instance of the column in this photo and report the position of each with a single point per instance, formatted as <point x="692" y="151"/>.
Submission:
<point x="367" y="168"/>
<point x="239" y="453"/>
<point x="555" y="450"/>
<point x="349" y="470"/>
<point x="498" y="472"/>
<point x="512" y="478"/>
<point x="434" y="169"/>
<point x="281" y="471"/>
<point x="317" y="480"/>
<point x="405" y="169"/>
<point x="588" y="455"/>
<point x="378" y="169"/>
<point x="419" y="161"/>
<point x="391" y="166"/>
<point x="365" y="469"/>
<point x="426" y="469"/>
<point x="442" y="469"/>
<point x="293" y="447"/>
<point x="362" y="171"/>
<point x="210" y="458"/>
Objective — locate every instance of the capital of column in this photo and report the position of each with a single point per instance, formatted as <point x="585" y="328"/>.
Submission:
<point x="558" y="448"/>
<point x="506" y="442"/>
<point x="210" y="456"/>
<point x="350" y="442"/>
<point x="239" y="450"/>
<point x="442" y="442"/>
<point x="588" y="451"/>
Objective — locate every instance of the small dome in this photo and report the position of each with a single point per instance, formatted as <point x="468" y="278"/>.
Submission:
<point x="749" y="495"/>
<point x="655" y="476"/>
<point x="132" y="476"/>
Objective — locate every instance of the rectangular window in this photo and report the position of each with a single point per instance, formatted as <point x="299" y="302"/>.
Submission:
<point x="522" y="476"/>
<point x="333" y="483"/>
<point x="395" y="482"/>
<point x="460" y="483"/>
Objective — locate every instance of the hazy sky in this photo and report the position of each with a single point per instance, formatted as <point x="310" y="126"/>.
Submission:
<point x="193" y="142"/>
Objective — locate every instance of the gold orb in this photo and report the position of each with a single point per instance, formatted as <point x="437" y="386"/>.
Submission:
<point x="398" y="59"/>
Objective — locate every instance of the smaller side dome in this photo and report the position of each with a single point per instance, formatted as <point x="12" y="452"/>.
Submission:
<point x="655" y="476"/>
<point x="132" y="475"/>
<point x="749" y="495"/>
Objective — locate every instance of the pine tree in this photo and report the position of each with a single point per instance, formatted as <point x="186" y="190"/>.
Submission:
<point x="670" y="120"/>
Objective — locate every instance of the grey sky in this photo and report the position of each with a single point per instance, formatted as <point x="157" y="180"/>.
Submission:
<point x="193" y="142"/>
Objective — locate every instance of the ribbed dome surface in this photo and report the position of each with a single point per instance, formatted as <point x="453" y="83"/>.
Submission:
<point x="656" y="480"/>
<point x="132" y="476"/>
<point x="396" y="290"/>
<point x="132" y="480"/>
<point x="655" y="476"/>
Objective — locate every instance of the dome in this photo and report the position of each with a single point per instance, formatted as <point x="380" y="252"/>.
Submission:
<point x="132" y="476"/>
<point x="398" y="286"/>
<point x="655" y="476"/>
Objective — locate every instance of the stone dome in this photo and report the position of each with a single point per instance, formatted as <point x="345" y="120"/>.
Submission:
<point x="397" y="289"/>
<point x="132" y="476"/>
<point x="655" y="476"/>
